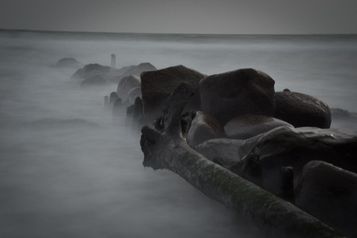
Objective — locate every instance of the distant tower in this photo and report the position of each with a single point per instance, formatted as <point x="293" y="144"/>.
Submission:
<point x="113" y="61"/>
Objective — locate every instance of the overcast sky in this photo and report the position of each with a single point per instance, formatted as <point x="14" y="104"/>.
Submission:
<point x="183" y="16"/>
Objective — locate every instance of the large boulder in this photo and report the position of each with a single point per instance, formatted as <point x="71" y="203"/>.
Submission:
<point x="301" y="110"/>
<point x="93" y="74"/>
<point x="293" y="147"/>
<point x="249" y="125"/>
<point x="126" y="84"/>
<point x="133" y="94"/>
<point x="157" y="86"/>
<point x="330" y="194"/>
<point x="203" y="127"/>
<point x="135" y="70"/>
<point x="100" y="74"/>
<point x="243" y="91"/>
<point x="136" y="110"/>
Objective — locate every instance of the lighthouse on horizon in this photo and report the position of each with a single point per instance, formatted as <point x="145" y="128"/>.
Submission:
<point x="113" y="60"/>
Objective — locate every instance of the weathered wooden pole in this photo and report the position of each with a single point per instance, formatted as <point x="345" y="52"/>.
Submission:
<point x="167" y="149"/>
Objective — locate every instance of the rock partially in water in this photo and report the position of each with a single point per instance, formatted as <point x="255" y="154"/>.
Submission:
<point x="126" y="84"/>
<point x="96" y="74"/>
<point x="223" y="151"/>
<point x="113" y="97"/>
<point x="244" y="91"/>
<point x="133" y="94"/>
<point x="302" y="110"/>
<point x="294" y="147"/>
<point x="330" y="194"/>
<point x="157" y="86"/>
<point x="203" y="127"/>
<point x="67" y="63"/>
<point x="135" y="70"/>
<point x="136" y="110"/>
<point x="249" y="125"/>
<point x="93" y="74"/>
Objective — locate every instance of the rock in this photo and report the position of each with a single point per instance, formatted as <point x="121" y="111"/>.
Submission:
<point x="105" y="74"/>
<point x="249" y="125"/>
<point x="126" y="84"/>
<point x="244" y="91"/>
<point x="113" y="97"/>
<point x="301" y="110"/>
<point x="135" y="110"/>
<point x="330" y="194"/>
<point x="67" y="63"/>
<point x="133" y="94"/>
<point x="294" y="147"/>
<point x="203" y="127"/>
<point x="156" y="86"/>
<point x="186" y="121"/>
<point x="135" y="70"/>
<point x="92" y="74"/>
<point x="223" y="151"/>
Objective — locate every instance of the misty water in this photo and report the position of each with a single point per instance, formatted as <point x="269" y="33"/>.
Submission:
<point x="67" y="169"/>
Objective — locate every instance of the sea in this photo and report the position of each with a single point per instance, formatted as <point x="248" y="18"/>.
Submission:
<point x="69" y="169"/>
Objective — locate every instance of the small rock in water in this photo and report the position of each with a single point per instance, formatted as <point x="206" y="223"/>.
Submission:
<point x="302" y="110"/>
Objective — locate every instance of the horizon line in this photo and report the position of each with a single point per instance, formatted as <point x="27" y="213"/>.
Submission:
<point x="174" y="33"/>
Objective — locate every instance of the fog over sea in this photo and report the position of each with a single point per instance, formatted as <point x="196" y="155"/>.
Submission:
<point x="68" y="170"/>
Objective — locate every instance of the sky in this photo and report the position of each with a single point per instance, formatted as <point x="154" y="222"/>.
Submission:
<point x="183" y="16"/>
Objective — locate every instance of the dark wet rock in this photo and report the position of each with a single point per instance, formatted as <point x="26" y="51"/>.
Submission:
<point x="157" y="86"/>
<point x="186" y="121"/>
<point x="93" y="73"/>
<point x="239" y="92"/>
<point x="226" y="152"/>
<point x="100" y="74"/>
<point x="330" y="194"/>
<point x="261" y="158"/>
<point x="135" y="70"/>
<point x="126" y="84"/>
<point x="287" y="184"/>
<point x="249" y="125"/>
<point x="294" y="147"/>
<point x="203" y="127"/>
<point x="135" y="110"/>
<point x="133" y="94"/>
<point x="113" y="97"/>
<point x="67" y="63"/>
<point x="302" y="110"/>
